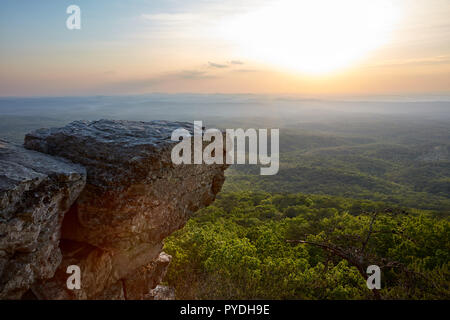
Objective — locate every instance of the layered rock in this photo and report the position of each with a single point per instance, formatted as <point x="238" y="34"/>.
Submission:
<point x="134" y="197"/>
<point x="139" y="284"/>
<point x="35" y="192"/>
<point x="103" y="273"/>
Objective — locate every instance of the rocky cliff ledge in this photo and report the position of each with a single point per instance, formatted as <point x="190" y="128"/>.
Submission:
<point x="101" y="195"/>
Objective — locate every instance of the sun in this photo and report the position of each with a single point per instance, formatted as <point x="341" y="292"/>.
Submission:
<point x="312" y="36"/>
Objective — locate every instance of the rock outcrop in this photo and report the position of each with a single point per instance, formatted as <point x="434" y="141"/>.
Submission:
<point x="134" y="194"/>
<point x="134" y="197"/>
<point x="35" y="192"/>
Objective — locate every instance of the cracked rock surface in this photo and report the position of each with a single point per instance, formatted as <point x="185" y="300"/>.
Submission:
<point x="134" y="197"/>
<point x="35" y="192"/>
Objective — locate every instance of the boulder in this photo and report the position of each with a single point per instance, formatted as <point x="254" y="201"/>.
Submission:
<point x="134" y="193"/>
<point x="35" y="192"/>
<point x="134" y="197"/>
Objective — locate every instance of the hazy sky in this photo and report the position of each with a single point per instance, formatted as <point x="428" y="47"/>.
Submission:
<point x="225" y="46"/>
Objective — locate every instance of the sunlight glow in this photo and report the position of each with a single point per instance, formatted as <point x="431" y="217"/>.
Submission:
<point x="313" y="37"/>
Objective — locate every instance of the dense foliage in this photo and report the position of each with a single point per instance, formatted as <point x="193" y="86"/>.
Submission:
<point x="239" y="248"/>
<point x="394" y="169"/>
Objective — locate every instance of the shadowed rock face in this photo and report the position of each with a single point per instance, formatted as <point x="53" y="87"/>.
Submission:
<point x="134" y="197"/>
<point x="35" y="192"/>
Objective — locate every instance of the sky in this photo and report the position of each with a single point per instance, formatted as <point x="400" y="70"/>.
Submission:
<point x="304" y="47"/>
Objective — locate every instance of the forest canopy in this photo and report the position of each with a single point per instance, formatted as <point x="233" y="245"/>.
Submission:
<point x="256" y="245"/>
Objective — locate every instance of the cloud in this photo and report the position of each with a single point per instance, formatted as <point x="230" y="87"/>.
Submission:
<point x="217" y="65"/>
<point x="191" y="74"/>
<point x="442" y="59"/>
<point x="173" y="25"/>
<point x="170" y="18"/>
<point x="231" y="63"/>
<point x="246" y="70"/>
<point x="139" y="84"/>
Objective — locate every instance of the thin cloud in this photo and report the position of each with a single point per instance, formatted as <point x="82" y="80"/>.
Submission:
<point x="246" y="70"/>
<point x="134" y="85"/>
<point x="217" y="65"/>
<point x="170" y="18"/>
<point x="172" y="25"/>
<point x="192" y="74"/>
<point x="442" y="59"/>
<point x="236" y="62"/>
